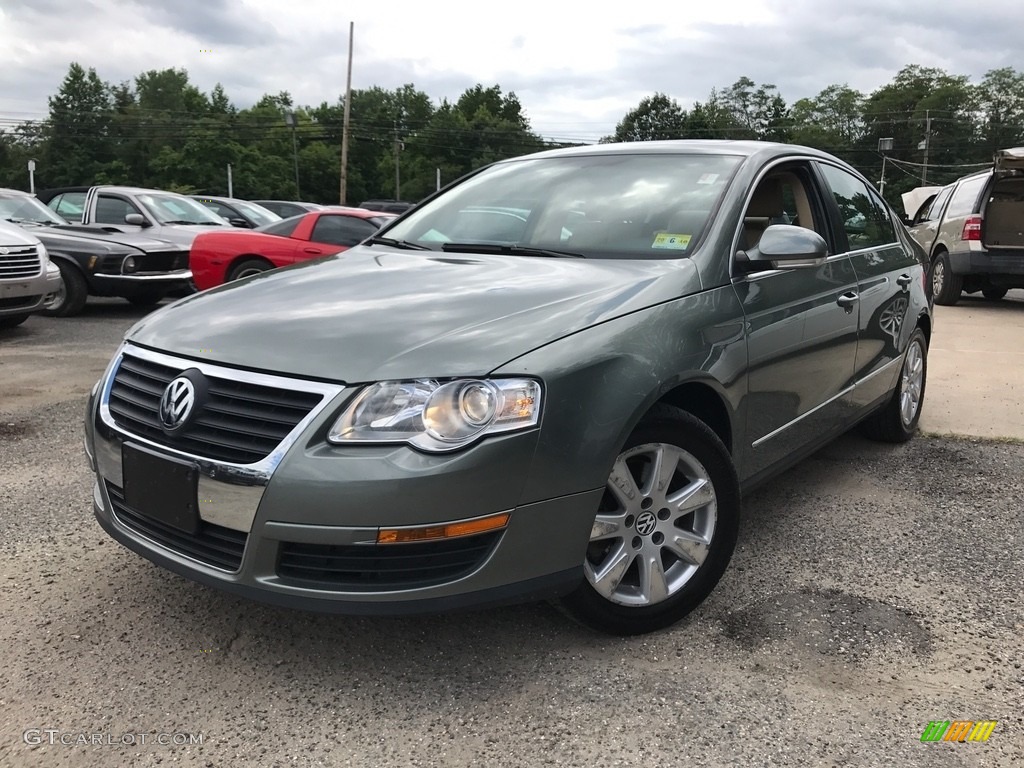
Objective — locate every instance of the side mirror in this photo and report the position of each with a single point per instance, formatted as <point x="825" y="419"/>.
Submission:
<point x="238" y="221"/>
<point x="792" y="246"/>
<point x="136" y="220"/>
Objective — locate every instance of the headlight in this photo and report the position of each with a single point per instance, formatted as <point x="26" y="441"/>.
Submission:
<point x="438" y="416"/>
<point x="128" y="265"/>
<point x="44" y="257"/>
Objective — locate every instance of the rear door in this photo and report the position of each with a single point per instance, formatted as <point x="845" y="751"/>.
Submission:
<point x="886" y="268"/>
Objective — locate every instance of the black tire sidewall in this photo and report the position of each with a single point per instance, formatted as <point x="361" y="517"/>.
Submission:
<point x="76" y="291"/>
<point x="248" y="264"/>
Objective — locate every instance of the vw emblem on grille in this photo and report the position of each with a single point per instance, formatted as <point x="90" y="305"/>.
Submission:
<point x="4" y="251"/>
<point x="177" y="403"/>
<point x="645" y="523"/>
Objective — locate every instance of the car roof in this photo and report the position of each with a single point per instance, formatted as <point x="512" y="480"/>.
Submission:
<point x="6" y="191"/>
<point x="682" y="146"/>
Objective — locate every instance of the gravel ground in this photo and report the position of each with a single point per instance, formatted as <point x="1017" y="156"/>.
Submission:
<point x="875" y="588"/>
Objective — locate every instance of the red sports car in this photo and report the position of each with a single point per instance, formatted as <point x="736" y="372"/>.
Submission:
<point x="228" y="254"/>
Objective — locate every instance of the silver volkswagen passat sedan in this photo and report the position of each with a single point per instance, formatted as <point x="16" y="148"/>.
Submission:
<point x="553" y="379"/>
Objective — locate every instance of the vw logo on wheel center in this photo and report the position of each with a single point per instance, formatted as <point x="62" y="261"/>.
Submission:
<point x="645" y="523"/>
<point x="177" y="402"/>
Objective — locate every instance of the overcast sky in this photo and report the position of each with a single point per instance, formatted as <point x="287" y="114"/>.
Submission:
<point x="576" y="67"/>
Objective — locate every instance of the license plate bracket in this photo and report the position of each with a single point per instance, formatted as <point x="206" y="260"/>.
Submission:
<point x="161" y="487"/>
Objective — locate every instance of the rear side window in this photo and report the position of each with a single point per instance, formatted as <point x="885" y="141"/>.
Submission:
<point x="865" y="218"/>
<point x="965" y="198"/>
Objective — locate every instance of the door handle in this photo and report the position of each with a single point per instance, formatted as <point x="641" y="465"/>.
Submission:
<point x="848" y="301"/>
<point x="312" y="250"/>
<point x="904" y="281"/>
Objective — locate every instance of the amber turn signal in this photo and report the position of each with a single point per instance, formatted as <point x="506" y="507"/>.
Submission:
<point x="446" y="531"/>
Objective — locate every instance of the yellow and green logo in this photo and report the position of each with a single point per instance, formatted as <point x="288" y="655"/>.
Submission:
<point x="959" y="730"/>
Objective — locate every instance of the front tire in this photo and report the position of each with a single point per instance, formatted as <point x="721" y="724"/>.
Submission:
<point x="946" y="286"/>
<point x="69" y="299"/>
<point x="146" y="298"/>
<point x="896" y="421"/>
<point x="665" y="530"/>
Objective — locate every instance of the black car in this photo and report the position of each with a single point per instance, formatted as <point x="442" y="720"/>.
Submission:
<point x="241" y="213"/>
<point x="387" y="206"/>
<point x="99" y="263"/>
<point x="288" y="208"/>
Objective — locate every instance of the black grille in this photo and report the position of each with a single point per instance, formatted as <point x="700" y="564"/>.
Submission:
<point x="19" y="301"/>
<point x="20" y="261"/>
<point x="214" y="544"/>
<point x="145" y="263"/>
<point x="376" y="567"/>
<point x="238" y="422"/>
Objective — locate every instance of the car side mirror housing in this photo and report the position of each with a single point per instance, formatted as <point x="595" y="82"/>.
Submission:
<point x="789" y="245"/>
<point x="136" y="220"/>
<point x="238" y="221"/>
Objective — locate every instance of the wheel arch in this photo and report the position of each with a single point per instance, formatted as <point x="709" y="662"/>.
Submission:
<point x="703" y="401"/>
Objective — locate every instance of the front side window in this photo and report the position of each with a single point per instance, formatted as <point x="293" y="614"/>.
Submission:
<point x="636" y="206"/>
<point x="283" y="228"/>
<point x="865" y="218"/>
<point x="112" y="210"/>
<point x="933" y="211"/>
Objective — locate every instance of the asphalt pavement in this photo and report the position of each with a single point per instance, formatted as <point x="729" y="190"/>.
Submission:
<point x="875" y="588"/>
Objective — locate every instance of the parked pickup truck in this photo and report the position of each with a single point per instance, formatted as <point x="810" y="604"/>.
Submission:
<point x="97" y="262"/>
<point x="973" y="230"/>
<point x="26" y="275"/>
<point x="163" y="215"/>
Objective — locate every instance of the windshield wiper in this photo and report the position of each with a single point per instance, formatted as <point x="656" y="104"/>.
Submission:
<point x="514" y="250"/>
<point x="407" y="245"/>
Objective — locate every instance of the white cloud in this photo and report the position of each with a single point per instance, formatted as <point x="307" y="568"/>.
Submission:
<point x="576" y="68"/>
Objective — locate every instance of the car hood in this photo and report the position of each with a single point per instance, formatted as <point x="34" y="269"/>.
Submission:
<point x="98" y="239"/>
<point x="374" y="313"/>
<point x="181" y="235"/>
<point x="1010" y="159"/>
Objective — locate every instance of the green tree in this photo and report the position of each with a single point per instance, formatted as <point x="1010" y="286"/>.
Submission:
<point x="759" y="111"/>
<point x="77" y="137"/>
<point x="832" y="121"/>
<point x="655" y="117"/>
<point x="1000" y="102"/>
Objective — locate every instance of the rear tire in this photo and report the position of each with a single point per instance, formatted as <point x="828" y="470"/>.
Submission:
<point x="946" y="287"/>
<point x="993" y="294"/>
<point x="896" y="421"/>
<point x="249" y="267"/>
<point x="665" y="530"/>
<point x="69" y="299"/>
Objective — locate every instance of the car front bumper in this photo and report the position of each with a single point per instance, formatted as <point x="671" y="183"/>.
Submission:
<point x="299" y="528"/>
<point x="27" y="295"/>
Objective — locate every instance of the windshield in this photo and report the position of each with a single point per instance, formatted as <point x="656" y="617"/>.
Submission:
<point x="260" y="215"/>
<point x="21" y="209"/>
<point x="642" y="206"/>
<point x="175" y="209"/>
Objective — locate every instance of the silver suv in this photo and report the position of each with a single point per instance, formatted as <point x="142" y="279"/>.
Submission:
<point x="973" y="231"/>
<point x="26" y="275"/>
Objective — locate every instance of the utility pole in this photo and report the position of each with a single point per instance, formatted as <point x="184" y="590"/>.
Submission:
<point x="344" y="128"/>
<point x="884" y="145"/>
<point x="927" y="143"/>
<point x="398" y="174"/>
<point x="290" y="119"/>
<point x="231" y="191"/>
